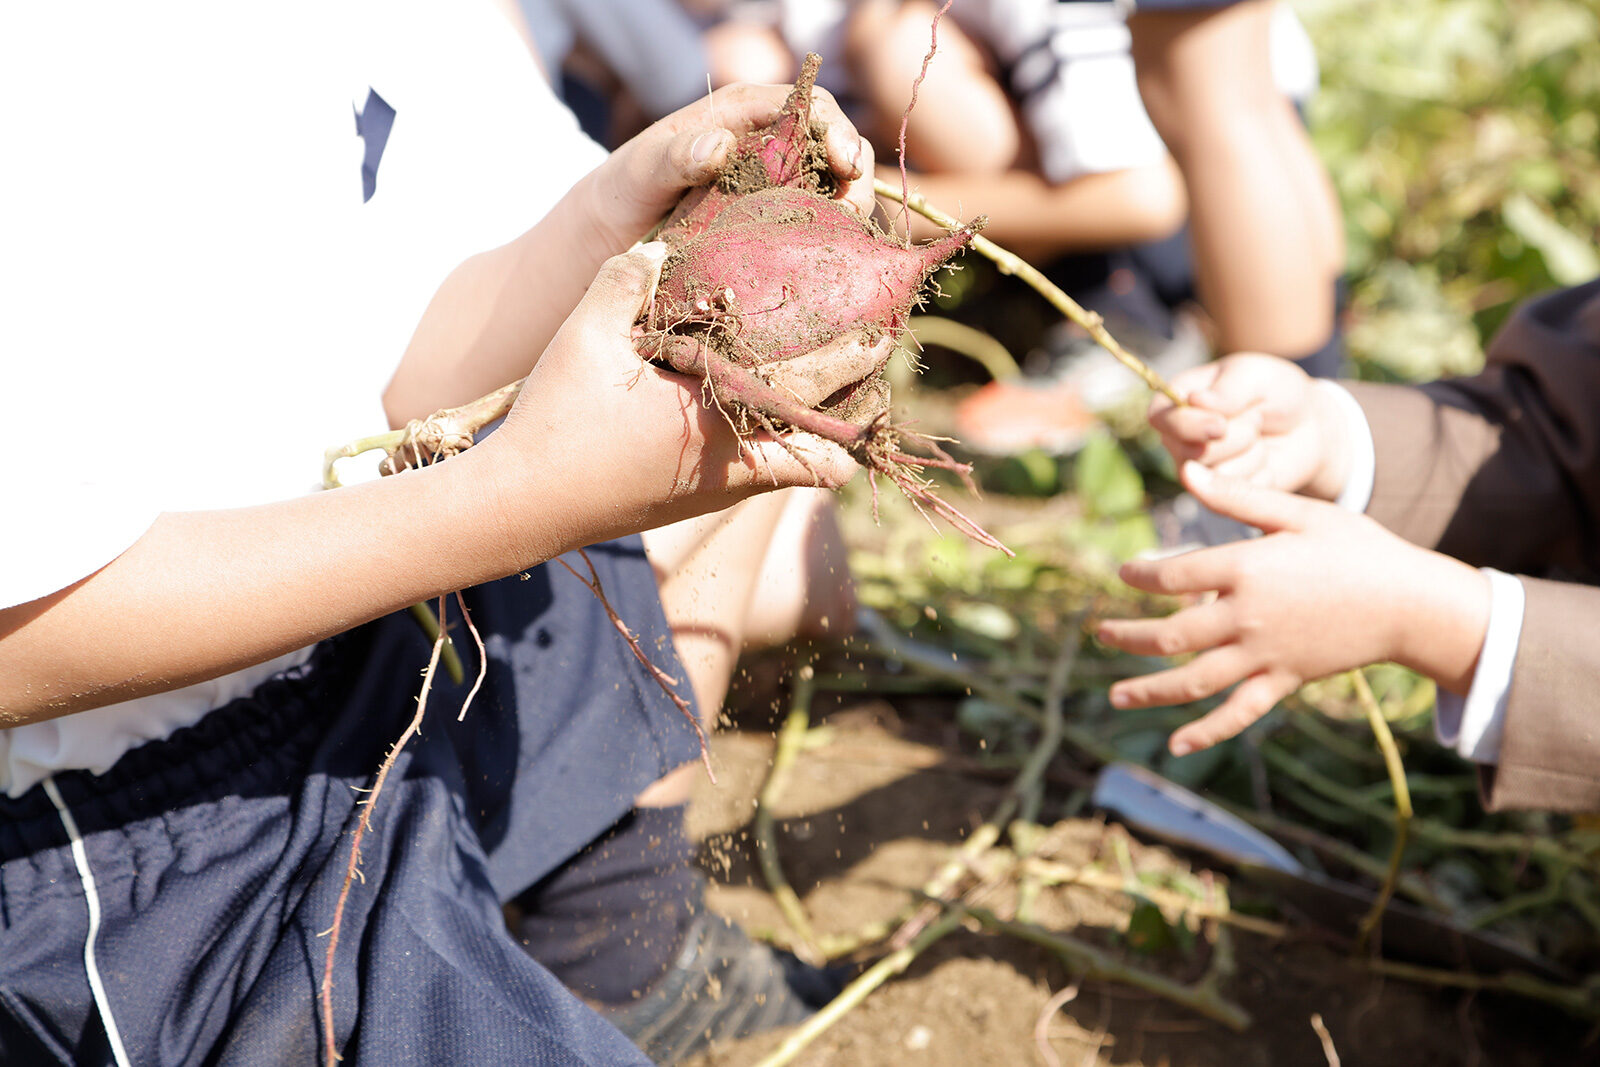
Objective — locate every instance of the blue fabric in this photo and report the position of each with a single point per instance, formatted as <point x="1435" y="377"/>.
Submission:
<point x="373" y="123"/>
<point x="219" y="853"/>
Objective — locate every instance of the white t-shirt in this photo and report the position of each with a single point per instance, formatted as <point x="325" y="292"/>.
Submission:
<point x="195" y="298"/>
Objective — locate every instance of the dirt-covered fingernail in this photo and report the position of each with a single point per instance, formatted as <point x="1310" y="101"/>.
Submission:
<point x="705" y="146"/>
<point x="852" y="157"/>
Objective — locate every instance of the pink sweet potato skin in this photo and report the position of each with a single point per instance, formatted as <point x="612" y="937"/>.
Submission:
<point x="783" y="272"/>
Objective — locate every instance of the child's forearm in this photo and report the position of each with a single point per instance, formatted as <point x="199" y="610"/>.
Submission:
<point x="495" y="313"/>
<point x="598" y="445"/>
<point x="205" y="593"/>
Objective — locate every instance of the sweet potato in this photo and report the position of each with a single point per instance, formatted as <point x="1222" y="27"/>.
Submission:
<point x="766" y="266"/>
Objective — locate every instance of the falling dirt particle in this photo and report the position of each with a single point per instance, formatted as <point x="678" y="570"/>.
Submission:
<point x="918" y="1038"/>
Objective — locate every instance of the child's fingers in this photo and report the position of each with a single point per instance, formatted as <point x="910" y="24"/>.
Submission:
<point x="798" y="459"/>
<point x="1244" y="467"/>
<point x="1240" y="435"/>
<point x="813" y="377"/>
<point x="1201" y="571"/>
<point x="694" y="157"/>
<point x="849" y="155"/>
<point x="1189" y="382"/>
<point x="1268" y="509"/>
<point x="1249" y="379"/>
<point x="857" y="191"/>
<point x="1253" y="698"/>
<point x="1193" y="426"/>
<point x="621" y="292"/>
<point x="1191" y="630"/>
<point x="1205" y="675"/>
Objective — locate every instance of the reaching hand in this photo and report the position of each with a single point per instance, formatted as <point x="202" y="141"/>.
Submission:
<point x="641" y="441"/>
<point x="1325" y="590"/>
<point x="1260" y="419"/>
<point x="644" y="178"/>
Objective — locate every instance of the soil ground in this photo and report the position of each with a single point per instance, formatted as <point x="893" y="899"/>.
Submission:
<point x="876" y="808"/>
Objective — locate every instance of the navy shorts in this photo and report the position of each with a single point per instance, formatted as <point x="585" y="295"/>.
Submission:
<point x="218" y="853"/>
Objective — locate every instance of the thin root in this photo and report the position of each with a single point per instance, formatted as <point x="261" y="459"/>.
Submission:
<point x="353" y="868"/>
<point x="667" y="683"/>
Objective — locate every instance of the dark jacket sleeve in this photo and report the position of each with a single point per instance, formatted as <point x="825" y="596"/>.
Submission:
<point x="1550" y="745"/>
<point x="1502" y="469"/>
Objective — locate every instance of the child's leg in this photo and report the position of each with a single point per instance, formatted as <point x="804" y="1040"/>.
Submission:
<point x="804" y="588"/>
<point x="746" y="51"/>
<point x="623" y="923"/>
<point x="217" y="857"/>
<point x="1267" y="236"/>
<point x="963" y="119"/>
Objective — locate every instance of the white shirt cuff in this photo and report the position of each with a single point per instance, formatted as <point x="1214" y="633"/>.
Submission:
<point x="1473" y="726"/>
<point x="1357" y="491"/>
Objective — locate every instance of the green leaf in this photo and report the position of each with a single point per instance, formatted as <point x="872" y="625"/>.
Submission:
<point x="1148" y="931"/>
<point x="1108" y="482"/>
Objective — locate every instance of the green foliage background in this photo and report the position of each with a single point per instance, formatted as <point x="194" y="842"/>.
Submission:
<point x="1462" y="136"/>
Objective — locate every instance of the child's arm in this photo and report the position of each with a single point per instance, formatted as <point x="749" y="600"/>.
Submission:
<point x="1502" y="468"/>
<point x="495" y="313"/>
<point x="1325" y="590"/>
<point x="598" y="445"/>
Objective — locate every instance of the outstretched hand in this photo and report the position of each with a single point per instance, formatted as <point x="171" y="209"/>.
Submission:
<point x="644" y="439"/>
<point x="1260" y="419"/>
<point x="1325" y="590"/>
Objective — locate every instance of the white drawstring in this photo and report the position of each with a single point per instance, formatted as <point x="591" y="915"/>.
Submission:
<point x="80" y="857"/>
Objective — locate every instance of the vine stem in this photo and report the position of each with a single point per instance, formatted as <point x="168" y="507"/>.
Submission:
<point x="1424" y="829"/>
<point x="1092" y="962"/>
<point x="941" y="887"/>
<point x="958" y="337"/>
<point x="858" y="990"/>
<point x="1015" y="265"/>
<point x="1580" y="1001"/>
<point x="791" y="739"/>
<point x="1402" y="806"/>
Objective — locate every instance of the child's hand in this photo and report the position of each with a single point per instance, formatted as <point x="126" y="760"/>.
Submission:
<point x="1261" y="419"/>
<point x="636" y="446"/>
<point x="644" y="178"/>
<point x="1324" y="591"/>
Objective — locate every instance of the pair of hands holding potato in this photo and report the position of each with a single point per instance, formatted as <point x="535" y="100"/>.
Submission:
<point x="641" y="433"/>
<point x="1324" y="590"/>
